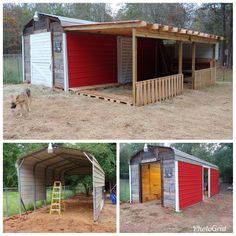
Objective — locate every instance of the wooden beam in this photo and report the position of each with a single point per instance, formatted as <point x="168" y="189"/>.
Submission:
<point x="180" y="55"/>
<point x="142" y="32"/>
<point x="193" y="61"/>
<point x="134" y="62"/>
<point x="108" y="25"/>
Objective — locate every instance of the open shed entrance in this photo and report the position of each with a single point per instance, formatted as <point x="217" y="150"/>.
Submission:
<point x="205" y="182"/>
<point x="151" y="182"/>
<point x="40" y="169"/>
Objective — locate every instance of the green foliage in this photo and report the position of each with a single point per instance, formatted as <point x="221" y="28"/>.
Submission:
<point x="12" y="70"/>
<point x="126" y="151"/>
<point x="104" y="153"/>
<point x="218" y="154"/>
<point x="124" y="190"/>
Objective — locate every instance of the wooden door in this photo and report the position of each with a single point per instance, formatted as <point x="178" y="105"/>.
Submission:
<point x="151" y="182"/>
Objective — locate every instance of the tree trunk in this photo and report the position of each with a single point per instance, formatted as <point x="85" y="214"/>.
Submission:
<point x="223" y="61"/>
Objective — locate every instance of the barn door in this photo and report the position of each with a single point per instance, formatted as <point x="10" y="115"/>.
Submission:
<point x="124" y="60"/>
<point x="151" y="182"/>
<point x="41" y="59"/>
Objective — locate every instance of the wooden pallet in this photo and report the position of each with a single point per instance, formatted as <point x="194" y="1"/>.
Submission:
<point x="111" y="97"/>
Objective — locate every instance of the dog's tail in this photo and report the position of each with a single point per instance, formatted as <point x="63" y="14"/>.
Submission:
<point x="28" y="92"/>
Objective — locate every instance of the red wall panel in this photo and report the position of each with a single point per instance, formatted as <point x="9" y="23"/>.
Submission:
<point x="214" y="182"/>
<point x="145" y="58"/>
<point x="190" y="184"/>
<point x="92" y="59"/>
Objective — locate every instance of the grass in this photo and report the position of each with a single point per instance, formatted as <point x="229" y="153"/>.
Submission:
<point x="13" y="201"/>
<point x="124" y="190"/>
<point x="224" y="74"/>
<point x="12" y="69"/>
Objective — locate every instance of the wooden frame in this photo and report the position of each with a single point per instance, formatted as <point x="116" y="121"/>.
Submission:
<point x="134" y="63"/>
<point x="193" y="62"/>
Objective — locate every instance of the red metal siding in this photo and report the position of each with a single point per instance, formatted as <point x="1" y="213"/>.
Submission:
<point x="145" y="58"/>
<point x="92" y="59"/>
<point x="214" y="182"/>
<point x="190" y="184"/>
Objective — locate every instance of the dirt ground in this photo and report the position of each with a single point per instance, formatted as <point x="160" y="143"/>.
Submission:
<point x="77" y="218"/>
<point x="205" y="114"/>
<point x="150" y="217"/>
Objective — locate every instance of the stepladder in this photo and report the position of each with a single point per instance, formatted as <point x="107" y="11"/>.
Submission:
<point x="57" y="201"/>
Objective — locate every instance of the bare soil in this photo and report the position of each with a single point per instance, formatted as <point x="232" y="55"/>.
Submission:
<point x="151" y="217"/>
<point x="77" y="218"/>
<point x="205" y="114"/>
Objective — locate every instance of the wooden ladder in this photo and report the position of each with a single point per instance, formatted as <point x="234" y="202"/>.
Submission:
<point x="56" y="198"/>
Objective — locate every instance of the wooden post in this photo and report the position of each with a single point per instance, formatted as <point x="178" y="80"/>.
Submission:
<point x="193" y="62"/>
<point x="180" y="63"/>
<point x="134" y="61"/>
<point x="213" y="55"/>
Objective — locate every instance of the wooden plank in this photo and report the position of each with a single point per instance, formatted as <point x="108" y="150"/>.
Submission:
<point x="134" y="61"/>
<point x="145" y="92"/>
<point x="180" y="57"/>
<point x="193" y="61"/>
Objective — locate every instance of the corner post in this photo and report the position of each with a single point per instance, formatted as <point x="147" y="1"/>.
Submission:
<point x="134" y="62"/>
<point x="65" y="62"/>
<point x="209" y="182"/>
<point x="176" y="187"/>
<point x="180" y="59"/>
<point x="23" y="58"/>
<point x="193" y="63"/>
<point x="130" y="185"/>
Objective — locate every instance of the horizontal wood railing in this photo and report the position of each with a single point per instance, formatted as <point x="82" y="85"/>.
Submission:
<point x="203" y="78"/>
<point x="159" y="89"/>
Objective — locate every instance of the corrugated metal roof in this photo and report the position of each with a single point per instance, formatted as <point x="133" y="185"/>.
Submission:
<point x="67" y="21"/>
<point x="182" y="155"/>
<point x="193" y="158"/>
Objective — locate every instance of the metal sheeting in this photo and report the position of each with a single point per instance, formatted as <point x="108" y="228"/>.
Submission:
<point x="214" y="182"/>
<point x="190" y="184"/>
<point x="92" y="59"/>
<point x="40" y="169"/>
<point x="41" y="59"/>
<point x="185" y="157"/>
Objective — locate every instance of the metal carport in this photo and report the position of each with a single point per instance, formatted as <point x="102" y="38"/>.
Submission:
<point x="41" y="168"/>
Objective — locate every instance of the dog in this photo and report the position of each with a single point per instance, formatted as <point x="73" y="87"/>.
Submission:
<point x="23" y="99"/>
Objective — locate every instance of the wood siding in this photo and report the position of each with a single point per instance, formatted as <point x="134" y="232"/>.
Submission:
<point x="135" y="183"/>
<point x="159" y="89"/>
<point x="168" y="177"/>
<point x="214" y="182"/>
<point x="190" y="184"/>
<point x="124" y="59"/>
<point x="151" y="182"/>
<point x="204" y="78"/>
<point x="92" y="59"/>
<point x="57" y="55"/>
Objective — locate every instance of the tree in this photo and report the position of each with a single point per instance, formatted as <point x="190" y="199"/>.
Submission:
<point x="215" y="153"/>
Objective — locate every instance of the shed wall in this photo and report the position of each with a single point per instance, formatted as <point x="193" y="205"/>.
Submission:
<point x="135" y="183"/>
<point x="168" y="167"/>
<point x="214" y="181"/>
<point x="190" y="184"/>
<point x="92" y="59"/>
<point x="56" y="32"/>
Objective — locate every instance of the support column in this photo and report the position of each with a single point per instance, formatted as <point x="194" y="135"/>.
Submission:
<point x="213" y="55"/>
<point x="134" y="61"/>
<point x="193" y="62"/>
<point x="180" y="54"/>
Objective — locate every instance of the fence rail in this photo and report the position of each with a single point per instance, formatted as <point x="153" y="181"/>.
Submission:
<point x="203" y="78"/>
<point x="159" y="89"/>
